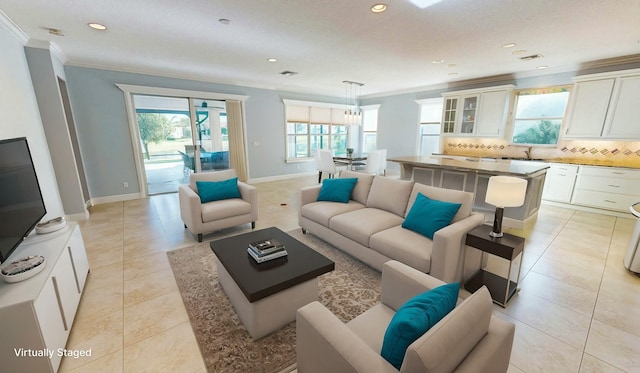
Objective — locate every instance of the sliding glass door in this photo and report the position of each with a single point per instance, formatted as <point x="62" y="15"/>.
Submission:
<point x="179" y="136"/>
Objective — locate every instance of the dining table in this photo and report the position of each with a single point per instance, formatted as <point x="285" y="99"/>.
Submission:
<point x="350" y="160"/>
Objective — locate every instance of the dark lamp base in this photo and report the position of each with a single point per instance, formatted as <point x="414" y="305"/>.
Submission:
<point x="497" y="223"/>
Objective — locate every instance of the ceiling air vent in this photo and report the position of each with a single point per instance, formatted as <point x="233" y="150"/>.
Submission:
<point x="288" y="73"/>
<point x="531" y="57"/>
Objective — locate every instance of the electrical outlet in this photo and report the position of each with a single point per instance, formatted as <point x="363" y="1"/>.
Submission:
<point x="125" y="184"/>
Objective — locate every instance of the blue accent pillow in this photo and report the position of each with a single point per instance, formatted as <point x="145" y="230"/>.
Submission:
<point x="415" y="318"/>
<point x="218" y="190"/>
<point x="429" y="215"/>
<point x="337" y="190"/>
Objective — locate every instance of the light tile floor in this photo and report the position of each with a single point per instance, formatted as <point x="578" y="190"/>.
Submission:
<point x="576" y="311"/>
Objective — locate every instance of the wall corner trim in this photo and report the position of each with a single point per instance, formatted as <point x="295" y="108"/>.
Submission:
<point x="8" y="24"/>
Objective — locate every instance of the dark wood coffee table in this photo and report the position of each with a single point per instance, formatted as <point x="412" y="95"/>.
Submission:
<point x="267" y="295"/>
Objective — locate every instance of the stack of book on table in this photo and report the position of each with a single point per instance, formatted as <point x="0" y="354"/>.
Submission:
<point x="265" y="250"/>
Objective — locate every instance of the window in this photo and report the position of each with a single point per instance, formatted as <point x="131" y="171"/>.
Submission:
<point x="370" y="129"/>
<point x="538" y="115"/>
<point x="312" y="126"/>
<point x="429" y="131"/>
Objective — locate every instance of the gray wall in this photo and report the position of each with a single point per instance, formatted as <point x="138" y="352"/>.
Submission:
<point x="45" y="69"/>
<point x="105" y="141"/>
<point x="21" y="118"/>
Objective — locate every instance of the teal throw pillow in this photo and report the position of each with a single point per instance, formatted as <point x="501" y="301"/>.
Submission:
<point x="415" y="318"/>
<point x="337" y="190"/>
<point x="429" y="215"/>
<point x="218" y="190"/>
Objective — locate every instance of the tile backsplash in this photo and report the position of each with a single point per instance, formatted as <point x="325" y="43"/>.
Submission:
<point x="607" y="153"/>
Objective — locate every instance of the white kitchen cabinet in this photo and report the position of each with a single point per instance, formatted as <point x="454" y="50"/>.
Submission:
<point x="623" y="120"/>
<point x="493" y="110"/>
<point x="459" y="114"/>
<point x="37" y="313"/>
<point x="609" y="188"/>
<point x="559" y="182"/>
<point x="588" y="108"/>
<point x="477" y="112"/>
<point x="605" y="106"/>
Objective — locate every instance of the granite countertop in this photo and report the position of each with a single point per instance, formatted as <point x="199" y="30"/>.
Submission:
<point x="631" y="163"/>
<point x="490" y="166"/>
<point x="602" y="163"/>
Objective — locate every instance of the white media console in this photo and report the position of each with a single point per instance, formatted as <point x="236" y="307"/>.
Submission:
<point x="36" y="314"/>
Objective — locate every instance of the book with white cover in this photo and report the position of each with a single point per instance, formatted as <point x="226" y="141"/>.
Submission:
<point x="266" y="246"/>
<point x="265" y="258"/>
<point x="266" y="252"/>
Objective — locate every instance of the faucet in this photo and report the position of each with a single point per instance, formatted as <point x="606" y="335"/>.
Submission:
<point x="528" y="153"/>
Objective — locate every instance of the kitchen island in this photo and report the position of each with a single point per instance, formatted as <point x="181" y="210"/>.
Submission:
<point x="472" y="175"/>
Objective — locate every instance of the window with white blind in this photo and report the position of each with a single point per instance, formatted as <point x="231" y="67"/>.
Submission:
<point x="369" y="128"/>
<point x="430" y="121"/>
<point x="312" y="126"/>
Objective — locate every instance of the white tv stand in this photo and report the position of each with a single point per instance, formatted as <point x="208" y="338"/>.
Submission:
<point x="37" y="313"/>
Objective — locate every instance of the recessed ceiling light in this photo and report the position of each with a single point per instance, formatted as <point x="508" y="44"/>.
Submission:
<point x="541" y="67"/>
<point x="437" y="61"/>
<point x="451" y="65"/>
<point x="521" y="51"/>
<point x="272" y="60"/>
<point x="508" y="45"/>
<point x="224" y="21"/>
<point x="97" y="26"/>
<point x="453" y="74"/>
<point x="378" y="8"/>
<point x="288" y="73"/>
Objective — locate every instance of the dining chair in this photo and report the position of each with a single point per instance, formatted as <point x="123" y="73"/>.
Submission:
<point x="324" y="163"/>
<point x="188" y="163"/>
<point x="376" y="162"/>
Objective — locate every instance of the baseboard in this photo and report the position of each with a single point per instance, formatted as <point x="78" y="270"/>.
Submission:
<point x="618" y="214"/>
<point x="79" y="216"/>
<point x="117" y="198"/>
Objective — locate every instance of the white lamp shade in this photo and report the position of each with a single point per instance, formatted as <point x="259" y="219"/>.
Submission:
<point x="506" y="191"/>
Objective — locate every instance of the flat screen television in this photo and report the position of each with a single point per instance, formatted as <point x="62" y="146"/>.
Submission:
<point x="21" y="203"/>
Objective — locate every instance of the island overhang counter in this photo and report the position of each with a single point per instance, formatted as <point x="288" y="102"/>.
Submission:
<point x="472" y="175"/>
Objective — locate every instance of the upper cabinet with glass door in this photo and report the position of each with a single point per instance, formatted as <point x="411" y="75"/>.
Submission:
<point x="477" y="112"/>
<point x="605" y="106"/>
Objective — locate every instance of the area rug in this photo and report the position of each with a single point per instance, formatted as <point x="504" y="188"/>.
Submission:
<point x="226" y="346"/>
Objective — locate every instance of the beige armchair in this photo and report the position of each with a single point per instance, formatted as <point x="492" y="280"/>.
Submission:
<point x="207" y="217"/>
<point x="468" y="339"/>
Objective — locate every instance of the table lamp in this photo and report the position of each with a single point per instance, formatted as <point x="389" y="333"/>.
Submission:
<point x="504" y="191"/>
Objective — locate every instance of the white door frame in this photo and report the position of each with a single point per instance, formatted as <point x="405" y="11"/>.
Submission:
<point x="130" y="90"/>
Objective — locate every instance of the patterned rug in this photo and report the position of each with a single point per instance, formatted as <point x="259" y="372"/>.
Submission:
<point x="352" y="288"/>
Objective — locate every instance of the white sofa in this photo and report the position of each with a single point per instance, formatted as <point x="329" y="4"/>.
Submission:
<point x="368" y="227"/>
<point x="202" y="218"/>
<point x="468" y="339"/>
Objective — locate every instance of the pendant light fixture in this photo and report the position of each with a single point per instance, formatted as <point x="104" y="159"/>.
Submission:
<point x="352" y="112"/>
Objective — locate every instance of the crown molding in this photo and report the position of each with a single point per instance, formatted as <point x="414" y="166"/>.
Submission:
<point x="7" y="24"/>
<point x="610" y="62"/>
<point x="50" y="46"/>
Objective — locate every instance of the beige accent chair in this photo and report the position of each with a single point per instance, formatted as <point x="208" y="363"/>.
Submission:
<point x="468" y="339"/>
<point x="207" y="217"/>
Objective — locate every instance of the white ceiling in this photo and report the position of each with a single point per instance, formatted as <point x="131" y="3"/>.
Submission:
<point x="328" y="41"/>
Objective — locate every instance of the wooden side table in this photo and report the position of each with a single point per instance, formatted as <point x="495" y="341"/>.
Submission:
<point x="508" y="247"/>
